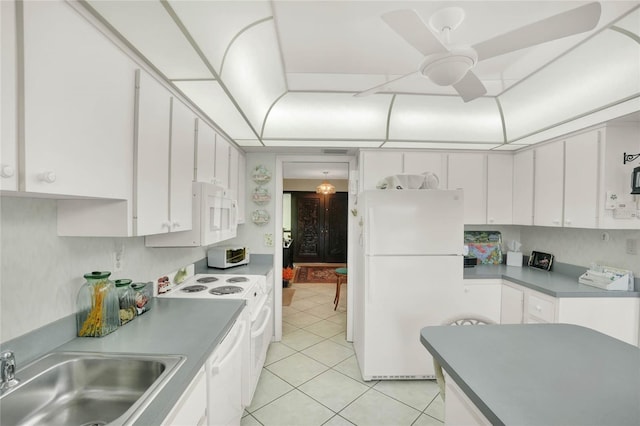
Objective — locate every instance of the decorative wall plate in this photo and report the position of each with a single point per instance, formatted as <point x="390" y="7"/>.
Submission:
<point x="260" y="217"/>
<point x="261" y="195"/>
<point x="261" y="174"/>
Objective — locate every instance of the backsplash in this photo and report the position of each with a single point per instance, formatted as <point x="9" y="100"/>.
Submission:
<point x="41" y="272"/>
<point x="583" y="246"/>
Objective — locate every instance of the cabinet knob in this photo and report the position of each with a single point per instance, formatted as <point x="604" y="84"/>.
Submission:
<point x="491" y="220"/>
<point x="166" y="225"/>
<point x="538" y="308"/>
<point x="466" y="290"/>
<point x="176" y="224"/>
<point x="567" y="222"/>
<point x="47" y="177"/>
<point x="7" y="171"/>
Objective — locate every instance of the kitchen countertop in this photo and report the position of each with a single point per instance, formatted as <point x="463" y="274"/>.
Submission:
<point x="191" y="327"/>
<point x="541" y="374"/>
<point x="552" y="283"/>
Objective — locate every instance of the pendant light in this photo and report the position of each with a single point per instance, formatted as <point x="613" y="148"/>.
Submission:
<point x="325" y="187"/>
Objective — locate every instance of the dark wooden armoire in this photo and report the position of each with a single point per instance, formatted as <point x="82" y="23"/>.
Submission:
<point x="319" y="227"/>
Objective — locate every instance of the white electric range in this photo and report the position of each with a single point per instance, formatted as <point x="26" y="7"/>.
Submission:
<point x="259" y="298"/>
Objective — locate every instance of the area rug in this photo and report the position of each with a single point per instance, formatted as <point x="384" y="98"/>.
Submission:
<point x="316" y="274"/>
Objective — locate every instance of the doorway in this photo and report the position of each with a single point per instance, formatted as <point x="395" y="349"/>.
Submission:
<point x="314" y="165"/>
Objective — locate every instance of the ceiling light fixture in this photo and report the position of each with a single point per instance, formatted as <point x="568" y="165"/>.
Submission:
<point x="325" y="187"/>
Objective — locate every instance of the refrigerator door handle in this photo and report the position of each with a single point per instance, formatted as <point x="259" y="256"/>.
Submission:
<point x="368" y="226"/>
<point x="368" y="288"/>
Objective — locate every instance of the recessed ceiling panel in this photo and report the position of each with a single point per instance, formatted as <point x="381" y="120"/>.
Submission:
<point x="600" y="72"/>
<point x="152" y="31"/>
<point x="294" y="143"/>
<point x="328" y="116"/>
<point x="214" y="24"/>
<point x="315" y="170"/>
<point x="213" y="101"/>
<point x="445" y="119"/>
<point x="253" y="72"/>
<point x="440" y="145"/>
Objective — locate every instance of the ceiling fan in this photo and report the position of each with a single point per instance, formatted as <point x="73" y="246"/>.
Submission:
<point x="451" y="65"/>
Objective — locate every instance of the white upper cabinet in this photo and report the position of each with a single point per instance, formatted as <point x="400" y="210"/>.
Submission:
<point x="416" y="162"/>
<point x="205" y="153"/>
<point x="9" y="109"/>
<point x="234" y="156"/>
<point x="499" y="189"/>
<point x="181" y="160"/>
<point x="242" y="186"/>
<point x="468" y="171"/>
<point x="523" y="184"/>
<point x="78" y="103"/>
<point x="582" y="158"/>
<point x="222" y="161"/>
<point x="152" y="158"/>
<point x="549" y="184"/>
<point x="377" y="165"/>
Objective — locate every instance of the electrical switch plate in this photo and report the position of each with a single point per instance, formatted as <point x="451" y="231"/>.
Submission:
<point x="632" y="246"/>
<point x="610" y="202"/>
<point x="624" y="213"/>
<point x="268" y="240"/>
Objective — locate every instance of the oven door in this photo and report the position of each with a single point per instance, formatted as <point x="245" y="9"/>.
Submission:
<point x="261" y="332"/>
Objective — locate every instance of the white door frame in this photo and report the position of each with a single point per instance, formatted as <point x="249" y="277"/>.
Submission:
<point x="353" y="185"/>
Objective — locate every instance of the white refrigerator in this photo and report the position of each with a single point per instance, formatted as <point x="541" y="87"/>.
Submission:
<point x="408" y="267"/>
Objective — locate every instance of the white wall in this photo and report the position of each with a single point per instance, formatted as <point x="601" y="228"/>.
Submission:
<point x="250" y="234"/>
<point x="41" y="272"/>
<point x="583" y="246"/>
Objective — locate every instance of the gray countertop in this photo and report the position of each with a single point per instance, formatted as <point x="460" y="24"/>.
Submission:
<point x="190" y="327"/>
<point x="554" y="284"/>
<point x="541" y="374"/>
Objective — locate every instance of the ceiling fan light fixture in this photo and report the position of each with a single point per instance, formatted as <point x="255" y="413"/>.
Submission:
<point x="325" y="187"/>
<point x="445" y="69"/>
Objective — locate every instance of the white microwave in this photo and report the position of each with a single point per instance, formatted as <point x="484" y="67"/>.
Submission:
<point x="215" y="219"/>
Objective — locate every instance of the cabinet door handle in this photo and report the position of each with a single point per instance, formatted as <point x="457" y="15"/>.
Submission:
<point x="466" y="290"/>
<point x="176" y="224"/>
<point x="166" y="225"/>
<point x="7" y="171"/>
<point x="538" y="308"/>
<point x="47" y="177"/>
<point x="567" y="222"/>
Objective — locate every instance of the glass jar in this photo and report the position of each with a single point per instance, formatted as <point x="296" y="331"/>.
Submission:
<point x="97" y="306"/>
<point x="126" y="299"/>
<point x="143" y="294"/>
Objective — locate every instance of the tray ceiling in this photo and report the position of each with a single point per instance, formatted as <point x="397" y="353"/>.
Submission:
<point x="283" y="73"/>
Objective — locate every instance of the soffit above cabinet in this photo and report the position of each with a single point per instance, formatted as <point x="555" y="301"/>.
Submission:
<point x="289" y="70"/>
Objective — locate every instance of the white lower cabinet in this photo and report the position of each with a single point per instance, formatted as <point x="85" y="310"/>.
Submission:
<point x="191" y="408"/>
<point x="459" y="410"/>
<point x="479" y="299"/>
<point x="613" y="316"/>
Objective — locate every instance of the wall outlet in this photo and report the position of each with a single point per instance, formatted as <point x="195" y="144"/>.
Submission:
<point x="632" y="246"/>
<point x="117" y="258"/>
<point x="268" y="240"/>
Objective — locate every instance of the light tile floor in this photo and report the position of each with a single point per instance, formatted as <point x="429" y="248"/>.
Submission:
<point x="312" y="377"/>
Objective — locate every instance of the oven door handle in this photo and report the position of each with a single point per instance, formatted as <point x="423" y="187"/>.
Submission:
<point x="215" y="368"/>
<point x="263" y="326"/>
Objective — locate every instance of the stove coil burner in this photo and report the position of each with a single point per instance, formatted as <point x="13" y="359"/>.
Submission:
<point x="227" y="289"/>
<point x="194" y="288"/>
<point x="205" y="280"/>
<point x="237" y="280"/>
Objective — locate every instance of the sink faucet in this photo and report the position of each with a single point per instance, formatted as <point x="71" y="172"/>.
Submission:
<point x="7" y="370"/>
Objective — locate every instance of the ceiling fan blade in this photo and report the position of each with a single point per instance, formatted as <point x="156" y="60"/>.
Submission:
<point x="412" y="28"/>
<point x="379" y="87"/>
<point x="575" y="21"/>
<point x="470" y="87"/>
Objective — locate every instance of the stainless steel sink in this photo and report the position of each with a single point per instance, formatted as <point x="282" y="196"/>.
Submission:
<point x="83" y="388"/>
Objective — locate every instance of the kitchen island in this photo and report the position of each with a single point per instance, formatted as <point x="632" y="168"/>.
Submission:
<point x="536" y="374"/>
